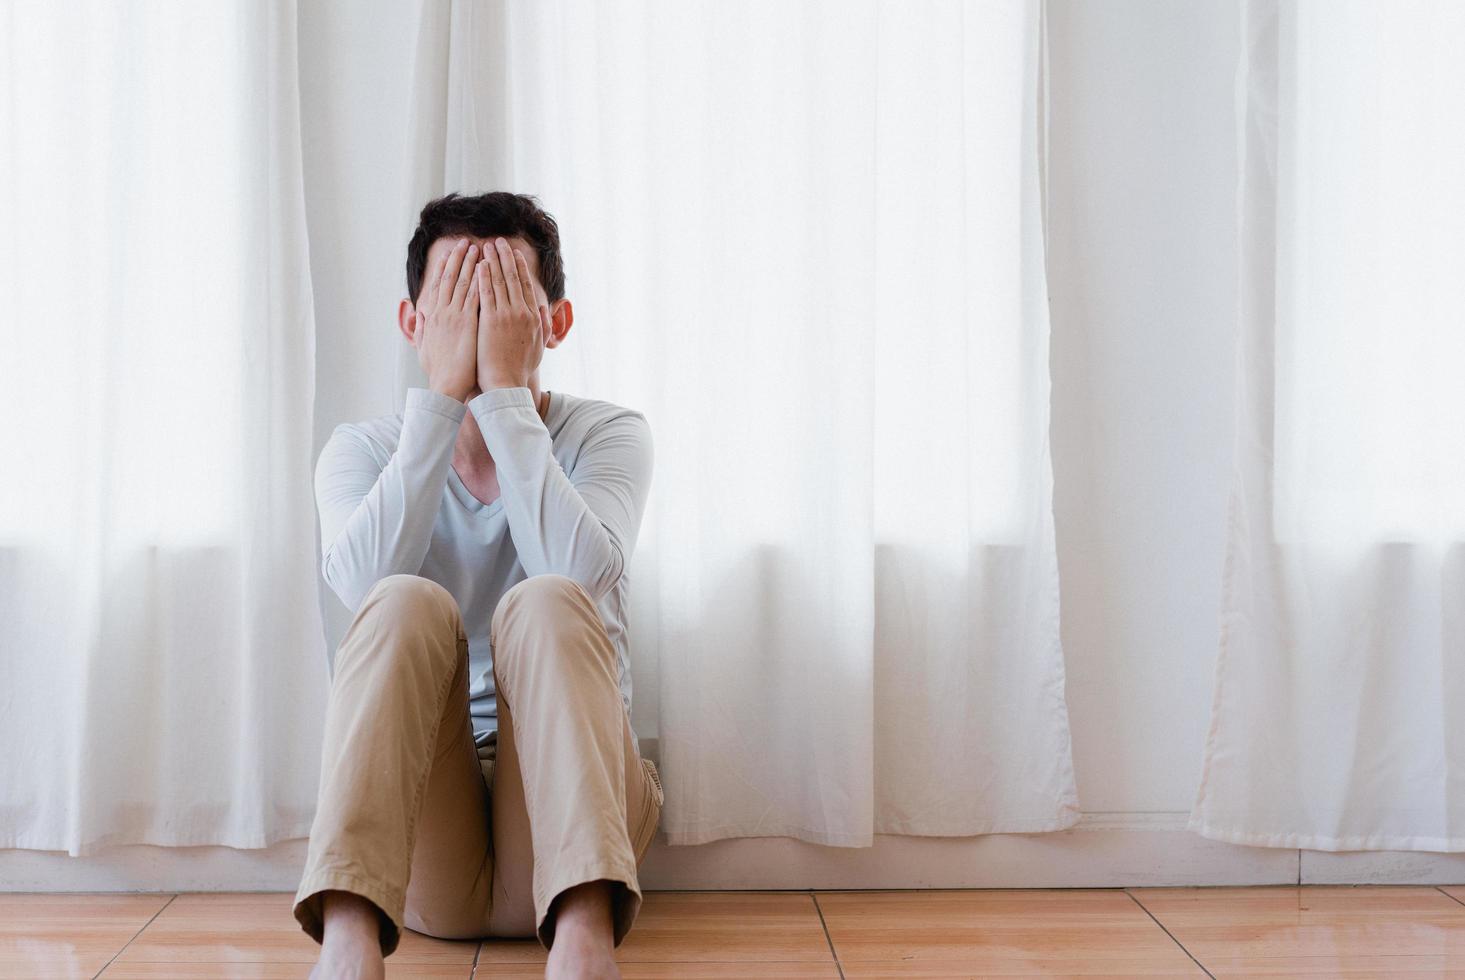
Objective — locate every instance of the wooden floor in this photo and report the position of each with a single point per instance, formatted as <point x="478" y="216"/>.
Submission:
<point x="1276" y="931"/>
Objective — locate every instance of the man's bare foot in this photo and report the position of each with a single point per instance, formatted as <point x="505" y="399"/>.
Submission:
<point x="351" y="947"/>
<point x="584" y="939"/>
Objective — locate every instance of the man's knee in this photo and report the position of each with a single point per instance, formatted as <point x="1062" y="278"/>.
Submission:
<point x="405" y="596"/>
<point x="539" y="595"/>
<point x="409" y="605"/>
<point x="551" y="615"/>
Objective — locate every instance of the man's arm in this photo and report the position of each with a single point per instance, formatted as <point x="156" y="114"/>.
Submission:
<point x="584" y="527"/>
<point x="377" y="521"/>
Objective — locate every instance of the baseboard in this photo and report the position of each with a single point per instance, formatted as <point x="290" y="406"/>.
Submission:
<point x="1104" y="850"/>
<point x="1383" y="867"/>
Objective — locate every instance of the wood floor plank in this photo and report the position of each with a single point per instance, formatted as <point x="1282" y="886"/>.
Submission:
<point x="981" y="970"/>
<point x="258" y="927"/>
<point x="70" y="934"/>
<point x="697" y="927"/>
<point x="987" y="932"/>
<point x="1315" y="930"/>
<point x="1457" y="892"/>
<point x="271" y="971"/>
<point x="702" y="970"/>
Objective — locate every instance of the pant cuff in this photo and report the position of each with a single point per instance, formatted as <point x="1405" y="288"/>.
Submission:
<point x="310" y="911"/>
<point x="625" y="896"/>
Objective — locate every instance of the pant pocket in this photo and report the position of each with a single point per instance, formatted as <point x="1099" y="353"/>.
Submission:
<point x="645" y="828"/>
<point x="651" y="771"/>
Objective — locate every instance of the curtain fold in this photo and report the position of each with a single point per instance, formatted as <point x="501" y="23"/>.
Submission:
<point x="161" y="677"/>
<point x="1342" y="654"/>
<point x="806" y="241"/>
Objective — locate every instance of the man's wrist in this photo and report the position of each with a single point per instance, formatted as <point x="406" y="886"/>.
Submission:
<point x="502" y="381"/>
<point x="453" y="393"/>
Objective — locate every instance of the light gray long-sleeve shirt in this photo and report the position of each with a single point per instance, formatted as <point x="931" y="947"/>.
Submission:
<point x="572" y="492"/>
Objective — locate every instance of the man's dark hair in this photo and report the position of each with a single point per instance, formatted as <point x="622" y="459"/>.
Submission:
<point x="496" y="213"/>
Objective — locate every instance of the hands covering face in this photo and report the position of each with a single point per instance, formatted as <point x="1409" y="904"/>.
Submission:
<point x="479" y="321"/>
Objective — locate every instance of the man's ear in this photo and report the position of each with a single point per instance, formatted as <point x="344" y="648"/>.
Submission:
<point x="407" y="320"/>
<point x="561" y="316"/>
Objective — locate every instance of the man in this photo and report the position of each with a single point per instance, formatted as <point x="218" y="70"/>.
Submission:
<point x="480" y="776"/>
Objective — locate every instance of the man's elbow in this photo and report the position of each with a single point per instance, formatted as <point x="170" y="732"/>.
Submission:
<point x="343" y="584"/>
<point x="604" y="582"/>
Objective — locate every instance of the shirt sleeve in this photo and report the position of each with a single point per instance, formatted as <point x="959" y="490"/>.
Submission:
<point x="582" y="526"/>
<point x="377" y="520"/>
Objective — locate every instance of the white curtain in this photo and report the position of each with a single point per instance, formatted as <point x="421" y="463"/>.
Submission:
<point x="805" y="239"/>
<point x="1340" y="687"/>
<point x="161" y="666"/>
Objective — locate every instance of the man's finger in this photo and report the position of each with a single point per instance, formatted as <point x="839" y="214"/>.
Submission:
<point x="450" y="272"/>
<point x="427" y="291"/>
<point x="526" y="281"/>
<point x="465" y="276"/>
<point x="496" y="275"/>
<point x="509" y="259"/>
<point x="485" y="289"/>
<point x="472" y="299"/>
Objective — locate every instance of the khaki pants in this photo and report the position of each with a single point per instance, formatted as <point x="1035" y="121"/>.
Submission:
<point x="459" y="842"/>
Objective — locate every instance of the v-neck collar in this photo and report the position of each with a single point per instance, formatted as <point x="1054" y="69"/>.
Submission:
<point x="465" y="496"/>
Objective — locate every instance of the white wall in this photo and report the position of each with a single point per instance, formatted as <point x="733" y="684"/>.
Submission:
<point x="1142" y="283"/>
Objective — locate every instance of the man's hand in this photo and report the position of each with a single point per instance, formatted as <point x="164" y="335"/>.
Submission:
<point x="512" y="323"/>
<point x="446" y="335"/>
